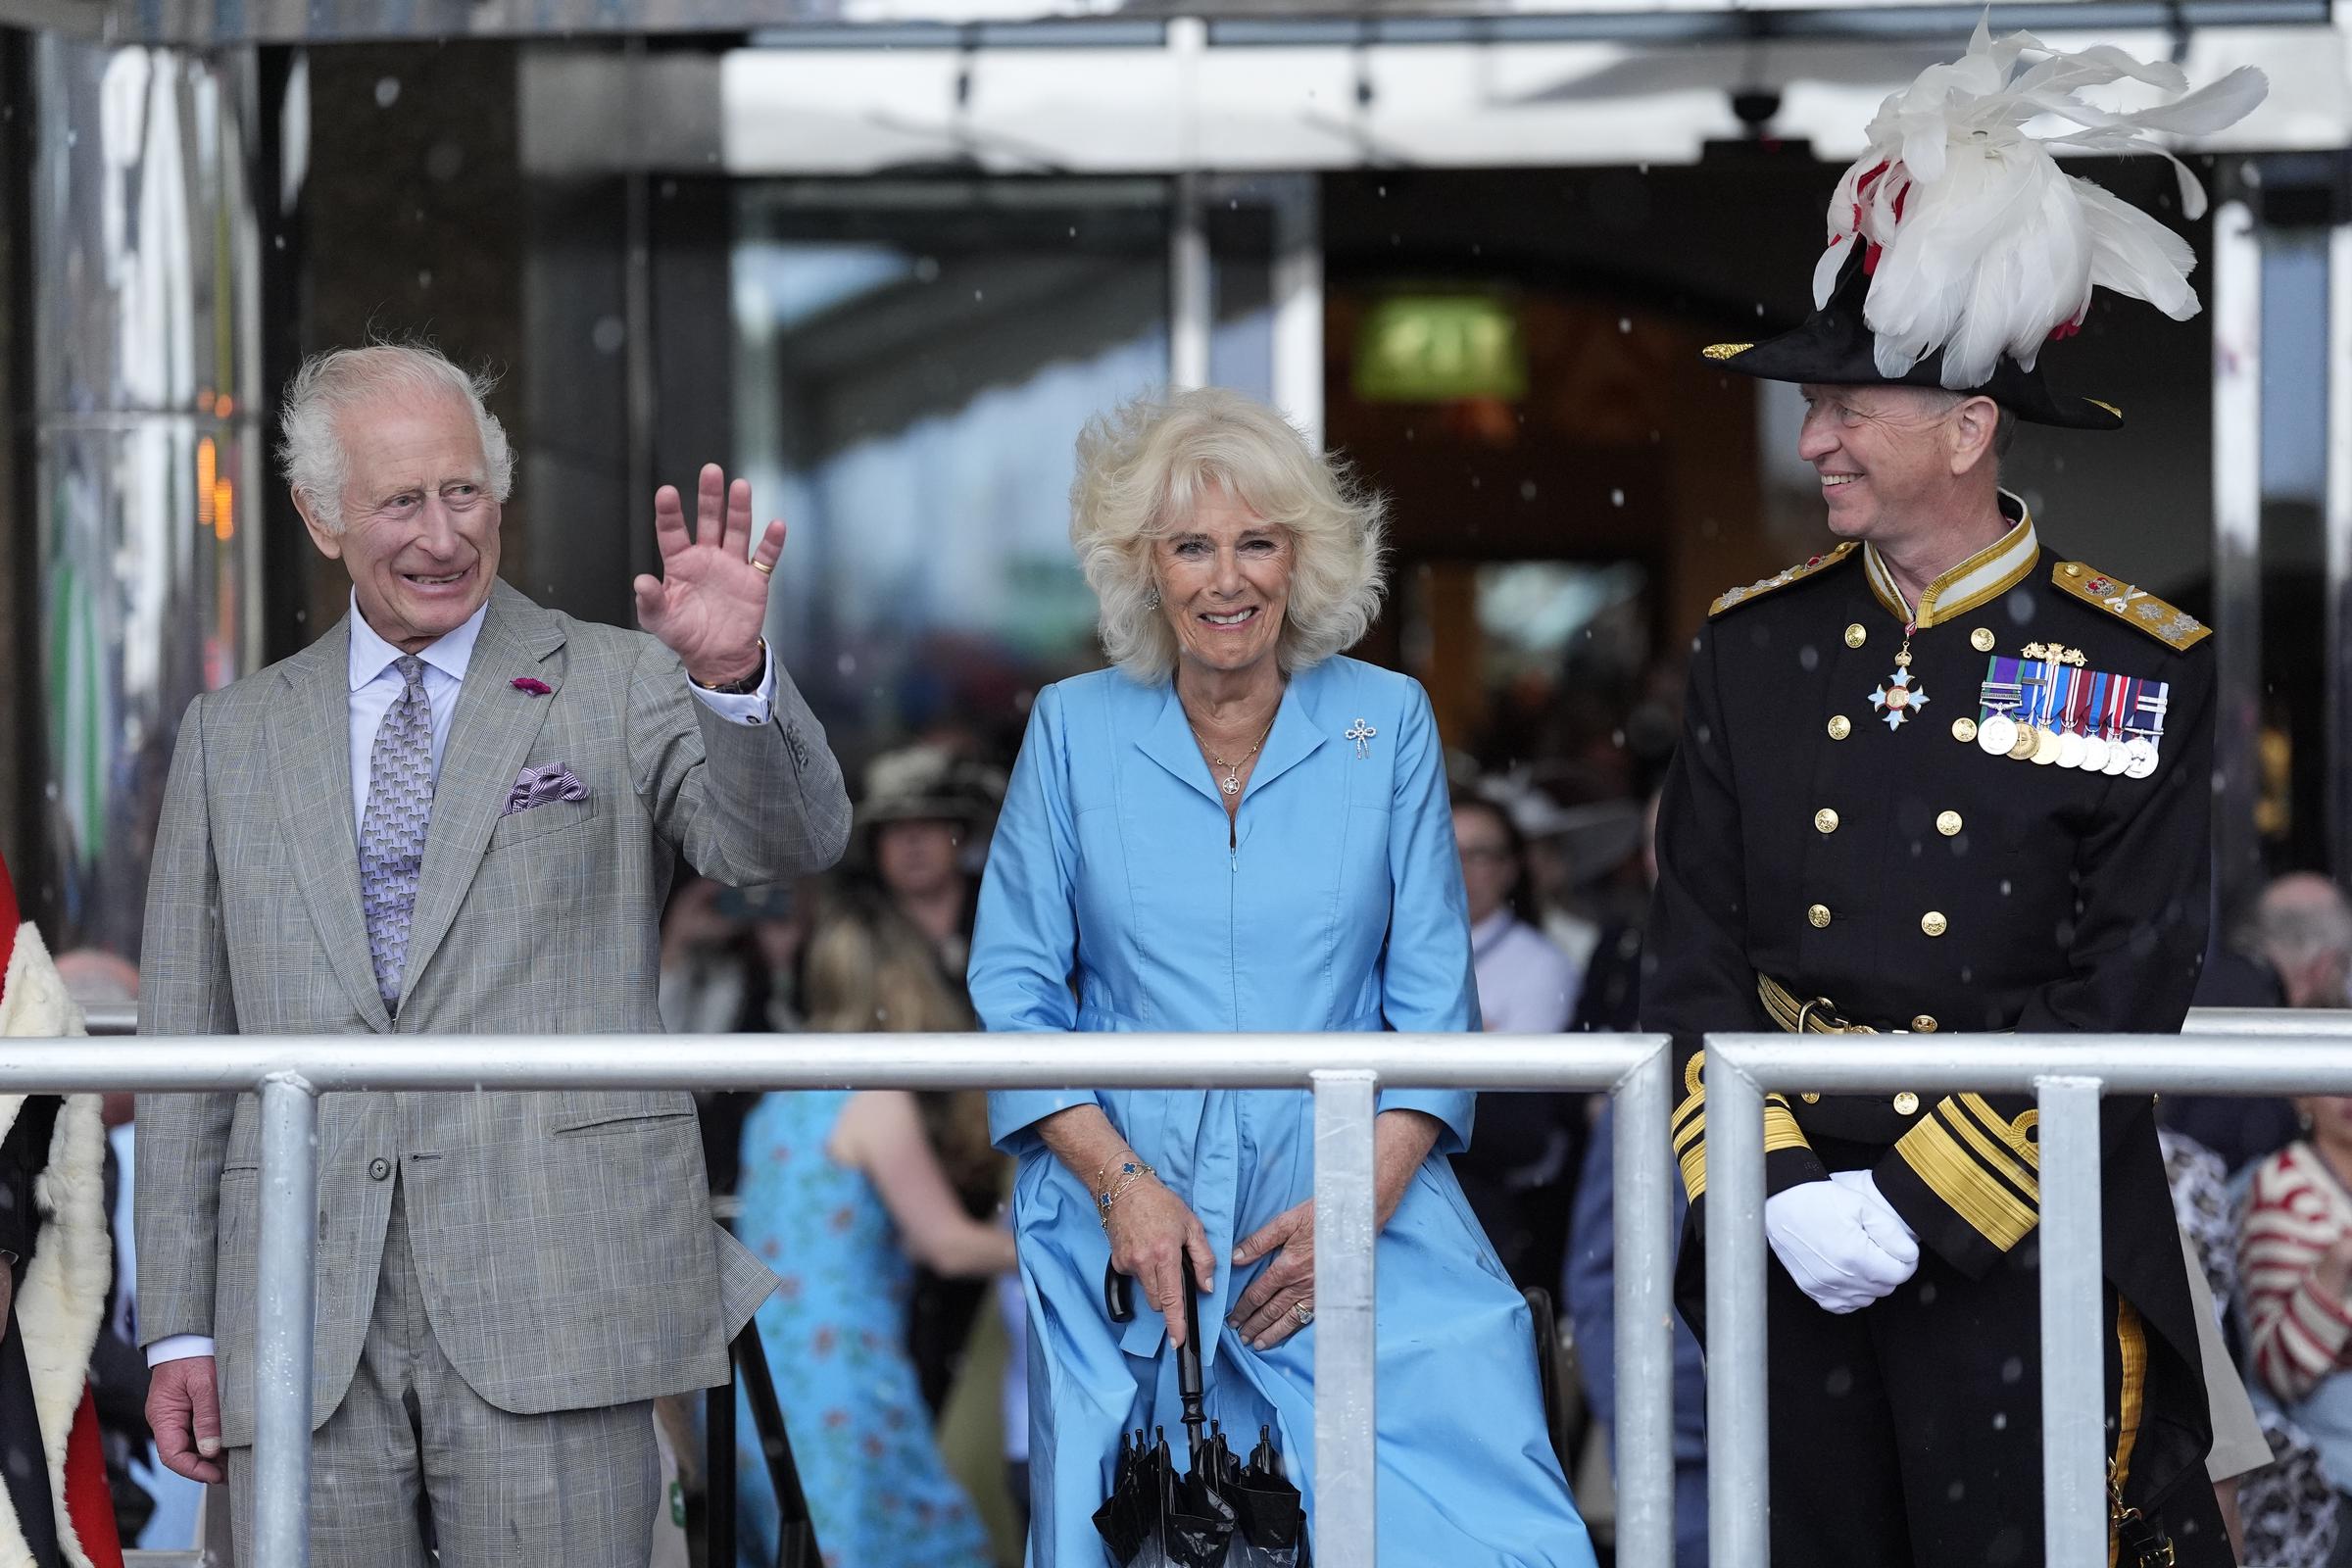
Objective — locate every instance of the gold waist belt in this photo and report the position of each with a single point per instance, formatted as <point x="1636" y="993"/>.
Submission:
<point x="1815" y="1017"/>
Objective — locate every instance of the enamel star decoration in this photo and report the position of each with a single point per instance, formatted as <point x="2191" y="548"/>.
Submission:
<point x="1896" y="700"/>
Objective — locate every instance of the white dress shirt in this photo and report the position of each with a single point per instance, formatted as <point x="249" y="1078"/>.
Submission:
<point x="1526" y="986"/>
<point x="376" y="685"/>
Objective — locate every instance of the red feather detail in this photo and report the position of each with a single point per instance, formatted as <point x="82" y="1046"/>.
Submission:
<point x="1869" y="258"/>
<point x="88" y="1504"/>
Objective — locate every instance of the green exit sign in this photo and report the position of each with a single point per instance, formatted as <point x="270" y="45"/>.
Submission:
<point x="1436" y="348"/>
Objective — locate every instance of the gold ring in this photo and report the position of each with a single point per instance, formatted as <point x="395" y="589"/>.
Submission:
<point x="762" y="567"/>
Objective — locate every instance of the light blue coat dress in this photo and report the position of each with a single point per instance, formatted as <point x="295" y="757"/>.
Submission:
<point x="1338" y="904"/>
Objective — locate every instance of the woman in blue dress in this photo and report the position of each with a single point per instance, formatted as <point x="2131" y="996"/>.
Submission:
<point x="842" y="1192"/>
<point x="1234" y="829"/>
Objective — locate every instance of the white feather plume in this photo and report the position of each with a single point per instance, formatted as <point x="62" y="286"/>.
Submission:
<point x="1984" y="246"/>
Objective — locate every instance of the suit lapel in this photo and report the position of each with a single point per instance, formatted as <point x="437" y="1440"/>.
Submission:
<point x="309" y="739"/>
<point x="488" y="741"/>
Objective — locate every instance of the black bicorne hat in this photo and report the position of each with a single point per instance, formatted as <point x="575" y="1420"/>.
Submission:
<point x="1832" y="347"/>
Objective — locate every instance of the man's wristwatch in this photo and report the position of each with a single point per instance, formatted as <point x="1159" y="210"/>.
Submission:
<point x="746" y="687"/>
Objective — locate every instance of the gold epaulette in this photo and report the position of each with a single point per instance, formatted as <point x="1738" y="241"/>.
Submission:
<point x="2175" y="628"/>
<point x="1782" y="579"/>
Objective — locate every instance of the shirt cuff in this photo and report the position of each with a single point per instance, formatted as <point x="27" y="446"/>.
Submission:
<point x="178" y="1347"/>
<point x="749" y="707"/>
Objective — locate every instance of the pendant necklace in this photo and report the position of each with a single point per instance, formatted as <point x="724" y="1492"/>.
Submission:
<point x="1232" y="782"/>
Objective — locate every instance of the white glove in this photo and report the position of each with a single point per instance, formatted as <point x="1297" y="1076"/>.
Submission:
<point x="1843" y="1244"/>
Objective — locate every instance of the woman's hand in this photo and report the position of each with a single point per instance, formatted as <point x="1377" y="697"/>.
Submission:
<point x="1268" y="1312"/>
<point x="1150" y="1231"/>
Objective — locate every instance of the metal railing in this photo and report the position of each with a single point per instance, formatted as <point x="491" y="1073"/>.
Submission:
<point x="1345" y="1072"/>
<point x="2237" y="1052"/>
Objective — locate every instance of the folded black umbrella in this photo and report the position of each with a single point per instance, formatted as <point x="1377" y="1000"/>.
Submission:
<point x="1271" y="1516"/>
<point x="1181" y="1520"/>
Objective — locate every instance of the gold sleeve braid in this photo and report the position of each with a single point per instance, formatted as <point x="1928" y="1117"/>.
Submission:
<point x="1690" y="1127"/>
<point x="1984" y="1166"/>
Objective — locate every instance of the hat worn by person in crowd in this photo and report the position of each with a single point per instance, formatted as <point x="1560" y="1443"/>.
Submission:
<point x="1957" y="247"/>
<point x="929" y="784"/>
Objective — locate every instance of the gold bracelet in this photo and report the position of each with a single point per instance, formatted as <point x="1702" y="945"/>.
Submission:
<point x="1131" y="1171"/>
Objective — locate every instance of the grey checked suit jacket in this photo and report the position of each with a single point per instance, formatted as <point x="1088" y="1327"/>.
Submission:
<point x="564" y="1239"/>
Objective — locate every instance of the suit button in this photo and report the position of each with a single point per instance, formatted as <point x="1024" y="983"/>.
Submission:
<point x="1924" y="1024"/>
<point x="1980" y="640"/>
<point x="378" y="1169"/>
<point x="1855" y="636"/>
<point x="1906" y="1103"/>
<point x="1932" y="923"/>
<point x="1948" y="824"/>
<point x="1963" y="730"/>
<point x="1819" y="915"/>
<point x="1826" y="821"/>
<point x="1810" y="1097"/>
<point x="1840" y="727"/>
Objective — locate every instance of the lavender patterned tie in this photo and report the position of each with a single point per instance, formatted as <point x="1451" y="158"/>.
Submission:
<point x="400" y="807"/>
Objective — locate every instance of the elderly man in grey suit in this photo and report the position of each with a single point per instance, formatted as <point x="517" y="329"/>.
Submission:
<point x="458" y="813"/>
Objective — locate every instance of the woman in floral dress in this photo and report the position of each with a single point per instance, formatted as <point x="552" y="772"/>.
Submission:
<point x="841" y="1194"/>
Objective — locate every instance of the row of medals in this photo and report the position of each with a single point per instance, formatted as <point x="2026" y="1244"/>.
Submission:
<point x="2046" y="747"/>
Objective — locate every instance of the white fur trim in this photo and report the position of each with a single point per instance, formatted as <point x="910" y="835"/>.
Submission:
<point x="64" y="1296"/>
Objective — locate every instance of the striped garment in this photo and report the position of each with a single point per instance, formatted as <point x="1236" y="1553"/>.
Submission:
<point x="2298" y="1208"/>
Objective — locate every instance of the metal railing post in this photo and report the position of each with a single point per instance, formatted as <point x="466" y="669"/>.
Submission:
<point x="2074" y="1364"/>
<point x="1645" y="1315"/>
<point x="1736" y="1462"/>
<point x="1343" y="1528"/>
<point x="289" y="1247"/>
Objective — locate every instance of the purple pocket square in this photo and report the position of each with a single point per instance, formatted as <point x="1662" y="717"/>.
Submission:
<point x="537" y="786"/>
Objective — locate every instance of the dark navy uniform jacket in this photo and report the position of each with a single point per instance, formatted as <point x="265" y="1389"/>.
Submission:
<point x="1898" y="876"/>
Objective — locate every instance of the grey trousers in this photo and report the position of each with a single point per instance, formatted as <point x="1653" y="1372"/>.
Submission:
<point x="414" y="1459"/>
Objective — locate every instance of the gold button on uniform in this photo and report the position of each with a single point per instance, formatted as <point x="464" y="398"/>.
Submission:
<point x="1809" y="1098"/>
<point x="1826" y="821"/>
<point x="1948" y="824"/>
<point x="1932" y="923"/>
<point x="1840" y="727"/>
<point x="1819" y="915"/>
<point x="1855" y="636"/>
<point x="1923" y="1025"/>
<point x="2073" y="570"/>
<point x="1980" y="640"/>
<point x="1963" y="730"/>
<point x="1906" y="1103"/>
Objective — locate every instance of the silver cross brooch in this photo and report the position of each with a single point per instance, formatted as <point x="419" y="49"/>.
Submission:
<point x="1361" y="733"/>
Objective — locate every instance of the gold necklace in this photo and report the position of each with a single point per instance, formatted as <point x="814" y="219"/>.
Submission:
<point x="1232" y="784"/>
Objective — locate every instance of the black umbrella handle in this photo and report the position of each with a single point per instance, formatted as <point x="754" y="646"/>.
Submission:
<point x="1190" y="1388"/>
<point x="1118" y="1302"/>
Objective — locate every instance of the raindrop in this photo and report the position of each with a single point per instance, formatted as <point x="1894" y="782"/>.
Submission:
<point x="2000" y="1421"/>
<point x="1759" y="307"/>
<point x="926" y="269"/>
<point x="1808" y="659"/>
<point x="1956" y="1490"/>
<point x="607" y="335"/>
<point x="2004" y="887"/>
<point x="1616" y="498"/>
<point x="387" y="91"/>
<point x="1840" y="1382"/>
<point x="425" y="278"/>
<point x="847" y="663"/>
<point x="979" y="295"/>
<point x="1624" y="323"/>
<point x="1617" y="739"/>
<point x="2013" y="1369"/>
<point x="1526" y="489"/>
<point x="277" y="241"/>
<point x="445" y="160"/>
<point x="1383" y="190"/>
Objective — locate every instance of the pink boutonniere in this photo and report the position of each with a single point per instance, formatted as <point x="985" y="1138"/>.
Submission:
<point x="526" y="683"/>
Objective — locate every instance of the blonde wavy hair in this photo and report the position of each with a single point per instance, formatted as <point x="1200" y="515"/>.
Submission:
<point x="1146" y="465"/>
